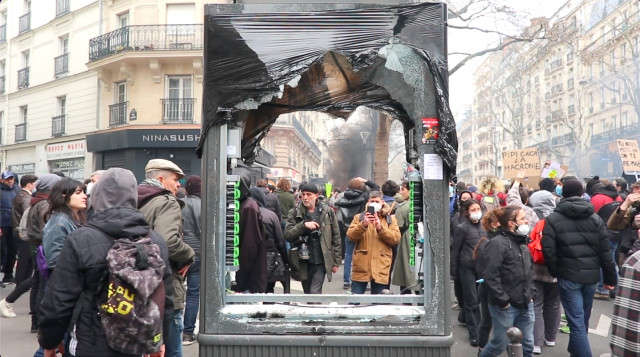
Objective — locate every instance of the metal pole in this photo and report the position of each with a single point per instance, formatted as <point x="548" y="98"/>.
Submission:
<point x="515" y="347"/>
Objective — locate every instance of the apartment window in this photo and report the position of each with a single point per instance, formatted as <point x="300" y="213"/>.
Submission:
<point x="1" y="126"/>
<point x="24" y="22"/>
<point x="23" y="74"/>
<point x="58" y="121"/>
<point x="625" y="119"/>
<point x="118" y="111"/>
<point x="123" y="20"/>
<point x="613" y="59"/>
<point x="3" y="26"/>
<point x="623" y="52"/>
<point x="178" y="106"/>
<point x="62" y="7"/>
<point x="62" y="61"/>
<point x="2" y="76"/>
<point x="21" y="127"/>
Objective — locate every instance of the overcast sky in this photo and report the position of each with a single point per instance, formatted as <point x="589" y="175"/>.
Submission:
<point x="461" y="82"/>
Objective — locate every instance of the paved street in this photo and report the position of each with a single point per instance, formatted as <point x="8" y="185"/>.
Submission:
<point x="16" y="341"/>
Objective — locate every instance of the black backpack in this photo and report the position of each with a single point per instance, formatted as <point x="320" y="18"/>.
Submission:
<point x="132" y="305"/>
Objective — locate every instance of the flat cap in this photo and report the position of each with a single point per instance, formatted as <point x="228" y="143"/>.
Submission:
<point x="162" y="164"/>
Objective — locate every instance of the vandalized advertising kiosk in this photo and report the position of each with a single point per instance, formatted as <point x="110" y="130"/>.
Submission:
<point x="264" y="60"/>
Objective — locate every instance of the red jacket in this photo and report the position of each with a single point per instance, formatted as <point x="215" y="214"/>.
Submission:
<point x="598" y="200"/>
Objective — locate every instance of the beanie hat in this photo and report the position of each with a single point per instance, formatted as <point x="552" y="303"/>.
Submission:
<point x="591" y="183"/>
<point x="572" y="188"/>
<point x="548" y="184"/>
<point x="309" y="187"/>
<point x="193" y="185"/>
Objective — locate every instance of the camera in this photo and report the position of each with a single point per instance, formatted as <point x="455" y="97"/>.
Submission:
<point x="304" y="243"/>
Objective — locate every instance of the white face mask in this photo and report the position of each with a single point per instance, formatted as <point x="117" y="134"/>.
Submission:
<point x="523" y="230"/>
<point x="376" y="206"/>
<point x="475" y="216"/>
<point x="89" y="186"/>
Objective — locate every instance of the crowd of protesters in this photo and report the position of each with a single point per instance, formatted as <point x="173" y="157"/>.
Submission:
<point x="586" y="230"/>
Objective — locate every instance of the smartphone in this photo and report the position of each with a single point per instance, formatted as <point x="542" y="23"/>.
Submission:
<point x="371" y="210"/>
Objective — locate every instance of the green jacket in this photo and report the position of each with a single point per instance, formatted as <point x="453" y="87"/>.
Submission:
<point x="403" y="273"/>
<point x="164" y="215"/>
<point x="287" y="202"/>
<point x="330" y="242"/>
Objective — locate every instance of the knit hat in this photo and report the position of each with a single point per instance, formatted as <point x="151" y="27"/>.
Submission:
<point x="309" y="187"/>
<point x="46" y="182"/>
<point x="572" y="188"/>
<point x="591" y="183"/>
<point x="548" y="184"/>
<point x="193" y="185"/>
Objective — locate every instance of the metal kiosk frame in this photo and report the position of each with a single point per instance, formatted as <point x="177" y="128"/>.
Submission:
<point x="409" y="48"/>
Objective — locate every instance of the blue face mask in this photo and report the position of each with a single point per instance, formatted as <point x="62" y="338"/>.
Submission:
<point x="559" y="190"/>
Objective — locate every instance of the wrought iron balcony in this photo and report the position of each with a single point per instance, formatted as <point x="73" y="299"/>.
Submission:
<point x="62" y="7"/>
<point x="177" y="110"/>
<point x="2" y="85"/>
<point x="57" y="125"/>
<point x="61" y="65"/>
<point x="24" y="23"/>
<point x="3" y="33"/>
<point x="23" y="78"/>
<point x="147" y="38"/>
<point x="21" y="132"/>
<point x="118" y="114"/>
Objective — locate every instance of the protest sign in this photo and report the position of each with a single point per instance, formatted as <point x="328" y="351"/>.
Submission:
<point x="630" y="156"/>
<point x="522" y="159"/>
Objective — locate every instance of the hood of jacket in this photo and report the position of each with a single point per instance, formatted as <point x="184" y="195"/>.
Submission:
<point x="352" y="198"/>
<point x="257" y="194"/>
<point x="543" y="201"/>
<point x="244" y="175"/>
<point x="114" y="200"/>
<point x="609" y="191"/>
<point x="146" y="192"/>
<point x="575" y="207"/>
<point x="352" y="193"/>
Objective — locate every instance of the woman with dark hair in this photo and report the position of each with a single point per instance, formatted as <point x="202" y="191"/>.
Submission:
<point x="507" y="270"/>
<point x="467" y="236"/>
<point x="67" y="204"/>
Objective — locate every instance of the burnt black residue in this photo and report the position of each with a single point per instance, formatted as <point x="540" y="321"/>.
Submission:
<point x="258" y="315"/>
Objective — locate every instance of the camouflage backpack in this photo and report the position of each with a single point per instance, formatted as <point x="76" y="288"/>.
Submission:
<point x="132" y="310"/>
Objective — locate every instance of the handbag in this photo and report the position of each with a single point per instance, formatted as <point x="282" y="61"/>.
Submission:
<point x="276" y="270"/>
<point x="298" y="267"/>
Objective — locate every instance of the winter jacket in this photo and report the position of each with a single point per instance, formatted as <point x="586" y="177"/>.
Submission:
<point x="82" y="267"/>
<point x="7" y="194"/>
<point x="252" y="273"/>
<point x="287" y="202"/>
<point x="620" y="220"/>
<point x="507" y="270"/>
<point x="54" y="234"/>
<point x="467" y="236"/>
<point x="372" y="254"/>
<point x="163" y="213"/>
<point x="20" y="204"/>
<point x="605" y="195"/>
<point x="353" y="201"/>
<point x="455" y="221"/>
<point x="575" y="244"/>
<point x="403" y="273"/>
<point x="191" y="214"/>
<point x="272" y="203"/>
<point x="330" y="233"/>
<point x="37" y="219"/>
<point x="272" y="226"/>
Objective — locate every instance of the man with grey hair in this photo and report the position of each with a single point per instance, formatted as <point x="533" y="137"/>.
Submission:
<point x="161" y="208"/>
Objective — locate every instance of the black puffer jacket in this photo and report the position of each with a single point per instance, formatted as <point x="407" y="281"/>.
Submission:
<point x="82" y="265"/>
<point x="507" y="270"/>
<point x="466" y="238"/>
<point x="191" y="213"/>
<point x="575" y="244"/>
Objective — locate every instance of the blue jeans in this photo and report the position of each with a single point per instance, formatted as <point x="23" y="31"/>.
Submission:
<point x="577" y="300"/>
<point x="359" y="287"/>
<point x="348" y="257"/>
<point x="502" y="319"/>
<point x="192" y="302"/>
<point x="173" y="342"/>
<point x="614" y="246"/>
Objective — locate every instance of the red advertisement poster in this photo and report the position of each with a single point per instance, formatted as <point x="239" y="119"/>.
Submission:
<point x="430" y="129"/>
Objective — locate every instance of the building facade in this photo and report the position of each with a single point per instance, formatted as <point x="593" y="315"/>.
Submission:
<point x="570" y="95"/>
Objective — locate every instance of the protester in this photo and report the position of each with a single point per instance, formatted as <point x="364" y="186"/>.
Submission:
<point x="271" y="201"/>
<point x="575" y="246"/>
<point x="468" y="234"/>
<point x="191" y="214"/>
<point x="161" y="208"/>
<point x="374" y="234"/>
<point x="314" y="225"/>
<point x="82" y="266"/>
<point x="625" y="329"/>
<point x="508" y="275"/>
<point x="286" y="199"/>
<point x="9" y="243"/>
<point x="404" y="275"/>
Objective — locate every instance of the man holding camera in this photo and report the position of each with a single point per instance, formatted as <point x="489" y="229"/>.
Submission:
<point x="313" y="231"/>
<point x="375" y="232"/>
